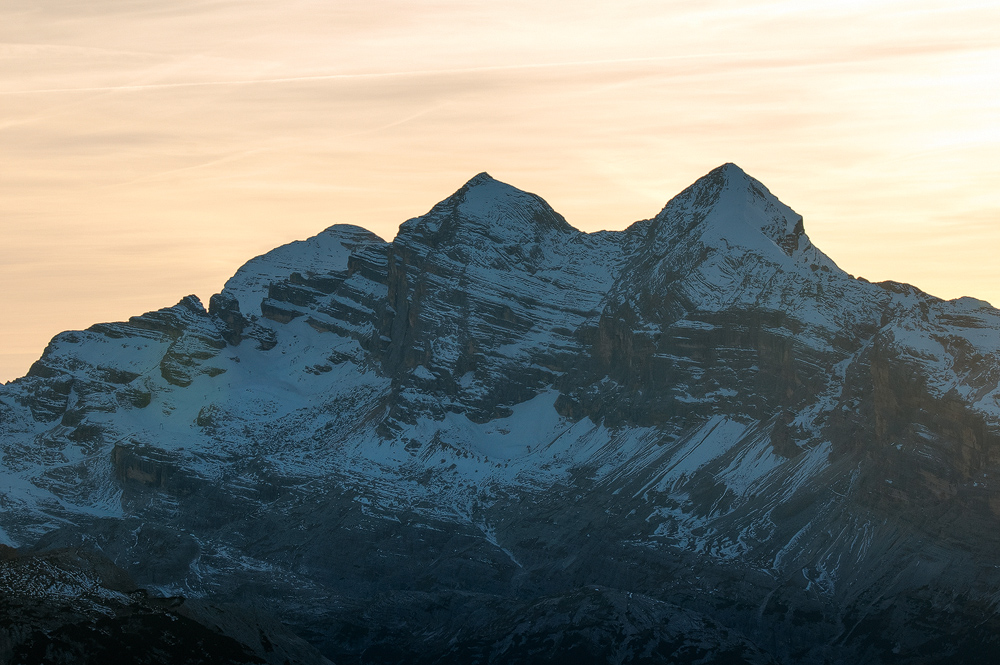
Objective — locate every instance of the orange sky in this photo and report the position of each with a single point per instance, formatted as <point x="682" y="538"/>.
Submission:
<point x="148" y="148"/>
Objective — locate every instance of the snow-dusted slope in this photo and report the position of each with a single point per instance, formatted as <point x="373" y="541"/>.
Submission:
<point x="324" y="254"/>
<point x="702" y="409"/>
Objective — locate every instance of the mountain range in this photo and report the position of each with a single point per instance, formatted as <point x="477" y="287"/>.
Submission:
<point x="498" y="439"/>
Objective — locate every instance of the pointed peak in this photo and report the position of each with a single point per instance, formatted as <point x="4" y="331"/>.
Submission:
<point x="479" y="179"/>
<point x="486" y="208"/>
<point x="728" y="206"/>
<point x="483" y="185"/>
<point x="735" y="177"/>
<point x="727" y="175"/>
<point x="731" y="169"/>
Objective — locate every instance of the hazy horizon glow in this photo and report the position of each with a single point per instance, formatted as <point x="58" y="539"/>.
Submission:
<point x="149" y="149"/>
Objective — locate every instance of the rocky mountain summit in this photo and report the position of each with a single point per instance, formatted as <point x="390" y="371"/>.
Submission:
<point x="498" y="439"/>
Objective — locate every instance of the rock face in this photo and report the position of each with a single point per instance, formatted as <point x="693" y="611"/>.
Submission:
<point x="500" y="439"/>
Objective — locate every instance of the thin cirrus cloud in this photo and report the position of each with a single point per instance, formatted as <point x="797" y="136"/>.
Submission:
<point x="139" y="87"/>
<point x="150" y="148"/>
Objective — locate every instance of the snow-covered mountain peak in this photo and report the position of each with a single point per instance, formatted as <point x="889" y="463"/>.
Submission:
<point x="747" y="200"/>
<point x="728" y="204"/>
<point x="480" y="179"/>
<point x="485" y="209"/>
<point x="324" y="253"/>
<point x="727" y="210"/>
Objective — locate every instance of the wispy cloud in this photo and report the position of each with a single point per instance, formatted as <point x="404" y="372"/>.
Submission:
<point x="371" y="75"/>
<point x="208" y="131"/>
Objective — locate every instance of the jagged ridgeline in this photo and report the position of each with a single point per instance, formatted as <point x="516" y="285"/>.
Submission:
<point x="498" y="439"/>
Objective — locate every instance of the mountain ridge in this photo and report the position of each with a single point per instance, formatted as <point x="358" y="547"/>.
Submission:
<point x="495" y="412"/>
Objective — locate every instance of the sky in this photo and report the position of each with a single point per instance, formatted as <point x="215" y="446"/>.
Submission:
<point x="149" y="148"/>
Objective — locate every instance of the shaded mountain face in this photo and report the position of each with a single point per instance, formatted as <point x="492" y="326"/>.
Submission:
<point x="76" y="607"/>
<point x="500" y="439"/>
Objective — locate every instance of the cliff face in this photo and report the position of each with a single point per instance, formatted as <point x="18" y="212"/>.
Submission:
<point x="439" y="447"/>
